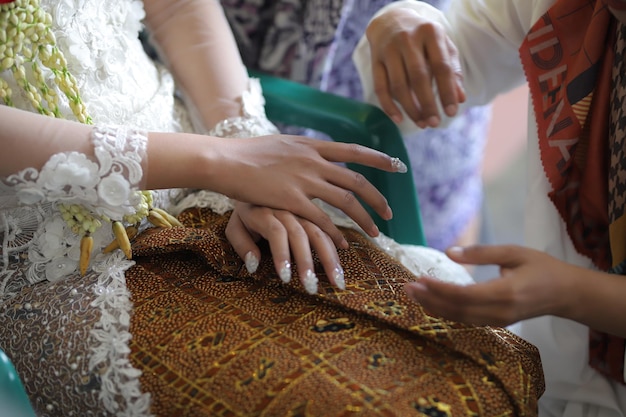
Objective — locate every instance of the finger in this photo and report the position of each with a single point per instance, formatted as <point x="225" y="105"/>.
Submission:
<point x="243" y="243"/>
<point x="359" y="154"/>
<point x="489" y="303"/>
<point x="278" y="238"/>
<point x="420" y="84"/>
<point x="458" y="72"/>
<point x="347" y="202"/>
<point x="502" y="255"/>
<point x="349" y="183"/>
<point x="444" y="68"/>
<point x="400" y="88"/>
<point x="305" y="208"/>
<point x="383" y="92"/>
<point x="327" y="253"/>
<point x="301" y="251"/>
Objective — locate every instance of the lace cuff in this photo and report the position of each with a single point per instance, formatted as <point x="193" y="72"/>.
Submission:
<point x="105" y="187"/>
<point x="253" y="121"/>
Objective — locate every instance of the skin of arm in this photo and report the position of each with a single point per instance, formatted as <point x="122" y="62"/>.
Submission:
<point x="195" y="41"/>
<point x="531" y="284"/>
<point x="260" y="170"/>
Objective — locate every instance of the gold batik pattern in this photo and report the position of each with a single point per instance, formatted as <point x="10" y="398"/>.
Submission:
<point x="212" y="340"/>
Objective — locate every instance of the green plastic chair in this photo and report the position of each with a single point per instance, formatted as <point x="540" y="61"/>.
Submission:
<point x="348" y="120"/>
<point x="13" y="399"/>
<point x="340" y="118"/>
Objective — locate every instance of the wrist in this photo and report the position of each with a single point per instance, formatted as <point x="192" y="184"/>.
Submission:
<point x="181" y="160"/>
<point x="569" y="293"/>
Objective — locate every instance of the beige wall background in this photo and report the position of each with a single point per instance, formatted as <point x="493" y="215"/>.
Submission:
<point x="507" y="134"/>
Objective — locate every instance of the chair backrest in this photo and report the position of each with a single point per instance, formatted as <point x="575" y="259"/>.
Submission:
<point x="348" y="120"/>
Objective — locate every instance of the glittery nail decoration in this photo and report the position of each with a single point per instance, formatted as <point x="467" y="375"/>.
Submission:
<point x="398" y="165"/>
<point x="285" y="272"/>
<point x="310" y="282"/>
<point x="340" y="280"/>
<point x="252" y="262"/>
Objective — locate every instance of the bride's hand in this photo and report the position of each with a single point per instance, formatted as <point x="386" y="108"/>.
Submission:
<point x="277" y="171"/>
<point x="287" y="235"/>
<point x="287" y="172"/>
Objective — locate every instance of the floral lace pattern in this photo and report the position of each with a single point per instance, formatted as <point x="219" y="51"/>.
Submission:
<point x="31" y="222"/>
<point x="252" y="122"/>
<point x="105" y="187"/>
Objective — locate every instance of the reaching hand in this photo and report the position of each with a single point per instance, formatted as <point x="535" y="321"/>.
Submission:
<point x="531" y="284"/>
<point x="285" y="233"/>
<point x="408" y="52"/>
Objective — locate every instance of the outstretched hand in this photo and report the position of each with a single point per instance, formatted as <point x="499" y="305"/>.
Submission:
<point x="409" y="53"/>
<point x="531" y="284"/>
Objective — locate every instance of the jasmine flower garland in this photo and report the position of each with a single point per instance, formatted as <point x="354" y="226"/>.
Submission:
<point x="27" y="45"/>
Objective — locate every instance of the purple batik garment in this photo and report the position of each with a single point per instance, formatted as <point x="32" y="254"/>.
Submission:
<point x="311" y="41"/>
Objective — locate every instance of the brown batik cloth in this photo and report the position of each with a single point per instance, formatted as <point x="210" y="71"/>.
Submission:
<point x="212" y="340"/>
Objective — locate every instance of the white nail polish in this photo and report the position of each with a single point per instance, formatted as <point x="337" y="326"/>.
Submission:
<point x="310" y="282"/>
<point x="398" y="165"/>
<point x="252" y="262"/>
<point x="339" y="277"/>
<point x="285" y="272"/>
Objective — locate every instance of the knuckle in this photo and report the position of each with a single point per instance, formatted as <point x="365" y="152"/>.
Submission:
<point x="403" y="38"/>
<point x="442" y="68"/>
<point x="356" y="149"/>
<point x="316" y="234"/>
<point x="349" y="198"/>
<point x="418" y="72"/>
<point x="360" y="181"/>
<point x="275" y="227"/>
<point x="432" y="28"/>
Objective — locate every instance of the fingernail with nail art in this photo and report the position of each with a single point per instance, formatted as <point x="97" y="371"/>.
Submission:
<point x="398" y="165"/>
<point x="285" y="272"/>
<point x="339" y="277"/>
<point x="252" y="262"/>
<point x="310" y="282"/>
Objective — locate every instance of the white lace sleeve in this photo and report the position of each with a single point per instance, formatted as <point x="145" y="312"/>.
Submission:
<point x="105" y="186"/>
<point x="31" y="202"/>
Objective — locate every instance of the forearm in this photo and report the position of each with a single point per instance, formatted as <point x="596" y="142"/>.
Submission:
<point x="596" y="299"/>
<point x="195" y="40"/>
<point x="29" y="139"/>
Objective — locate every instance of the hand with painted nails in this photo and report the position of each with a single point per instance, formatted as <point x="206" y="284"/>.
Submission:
<point x="289" y="236"/>
<point x="408" y="54"/>
<point x="288" y="172"/>
<point x="531" y="284"/>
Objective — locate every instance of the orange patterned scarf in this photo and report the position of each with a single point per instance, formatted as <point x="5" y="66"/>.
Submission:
<point x="568" y="56"/>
